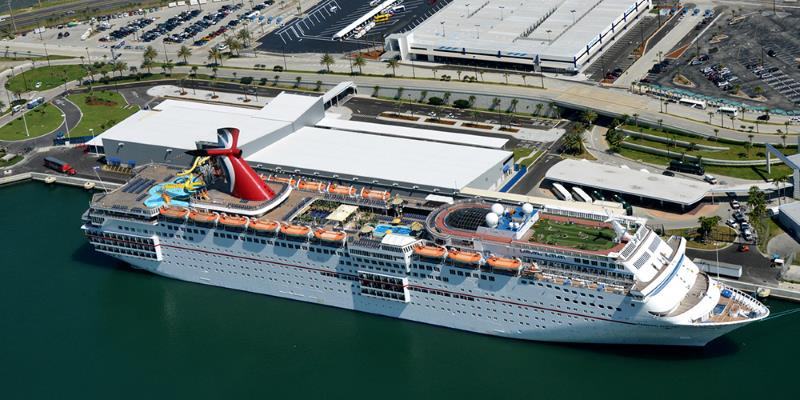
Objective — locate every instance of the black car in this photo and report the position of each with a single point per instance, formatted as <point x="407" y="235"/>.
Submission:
<point x="763" y="117"/>
<point x="668" y="173"/>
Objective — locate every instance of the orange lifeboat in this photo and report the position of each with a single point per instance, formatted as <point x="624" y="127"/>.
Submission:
<point x="430" y="251"/>
<point x="508" y="264"/>
<point x="174" y="212"/>
<point x="295" y="230"/>
<point x="264" y="225"/>
<point x="288" y="181"/>
<point x="375" y="194"/>
<point x="232" y="220"/>
<point x="311" y="186"/>
<point x="330" y="236"/>
<point x="203" y="217"/>
<point x="348" y="191"/>
<point x="464" y="257"/>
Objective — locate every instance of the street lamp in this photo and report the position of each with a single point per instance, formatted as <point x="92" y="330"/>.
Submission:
<point x="573" y="16"/>
<point x="443" y="34"/>
<point x="501" y="12"/>
<point x="66" y="124"/>
<point x="477" y="31"/>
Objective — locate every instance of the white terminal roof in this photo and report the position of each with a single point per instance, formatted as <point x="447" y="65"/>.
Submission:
<point x="629" y="181"/>
<point x="179" y="124"/>
<point x="505" y="25"/>
<point x="412" y="133"/>
<point x="380" y="157"/>
<point x="287" y="107"/>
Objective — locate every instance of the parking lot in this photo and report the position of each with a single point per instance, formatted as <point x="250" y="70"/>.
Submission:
<point x="314" y="32"/>
<point x="741" y="61"/>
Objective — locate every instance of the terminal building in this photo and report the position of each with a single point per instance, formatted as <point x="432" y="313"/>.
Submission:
<point x="550" y="35"/>
<point x="294" y="136"/>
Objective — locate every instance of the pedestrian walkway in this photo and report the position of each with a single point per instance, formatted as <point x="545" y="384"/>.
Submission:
<point x="175" y="92"/>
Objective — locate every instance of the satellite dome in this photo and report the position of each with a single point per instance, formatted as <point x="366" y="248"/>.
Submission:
<point x="527" y="208"/>
<point x="492" y="220"/>
<point x="498" y="208"/>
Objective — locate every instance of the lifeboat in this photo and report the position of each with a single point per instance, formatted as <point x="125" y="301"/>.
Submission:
<point x="375" y="194"/>
<point x="203" y="217"/>
<point x="464" y="257"/>
<point x="295" y="230"/>
<point x="264" y="225"/>
<point x="348" y="191"/>
<point x="430" y="251"/>
<point x="330" y="236"/>
<point x="508" y="264"/>
<point x="174" y="212"/>
<point x="233" y="221"/>
<point x="311" y="186"/>
<point x="288" y="181"/>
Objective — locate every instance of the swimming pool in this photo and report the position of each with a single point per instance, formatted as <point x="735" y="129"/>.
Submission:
<point x="382" y="230"/>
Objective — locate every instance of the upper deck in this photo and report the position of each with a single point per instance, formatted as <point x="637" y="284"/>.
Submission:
<point x="144" y="194"/>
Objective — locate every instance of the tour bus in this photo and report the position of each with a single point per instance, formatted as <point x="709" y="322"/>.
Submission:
<point x="699" y="104"/>
<point x="35" y="102"/>
<point x="728" y="111"/>
<point x="687" y="167"/>
<point x="580" y="195"/>
<point x="561" y="192"/>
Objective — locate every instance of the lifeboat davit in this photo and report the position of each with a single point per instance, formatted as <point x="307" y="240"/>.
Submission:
<point x="288" y="181"/>
<point x="375" y="194"/>
<point x="233" y="220"/>
<point x="348" y="191"/>
<point x="464" y="257"/>
<point x="204" y="217"/>
<point x="295" y="230"/>
<point x="508" y="264"/>
<point x="430" y="251"/>
<point x="174" y="212"/>
<point x="311" y="186"/>
<point x="330" y="236"/>
<point x="264" y="225"/>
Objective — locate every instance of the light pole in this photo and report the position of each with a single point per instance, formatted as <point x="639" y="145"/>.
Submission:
<point x="573" y="16"/>
<point x="443" y="33"/>
<point x="25" y="121"/>
<point x="66" y="124"/>
<point x="467" y="6"/>
<point x="477" y="31"/>
<point x="501" y="12"/>
<point x="548" y="34"/>
<point x="88" y="56"/>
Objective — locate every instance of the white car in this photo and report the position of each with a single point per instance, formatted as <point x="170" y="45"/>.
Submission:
<point x="222" y="47"/>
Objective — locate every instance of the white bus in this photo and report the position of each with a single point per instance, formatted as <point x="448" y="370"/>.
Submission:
<point x="580" y="195"/>
<point x="728" y="111"/>
<point x="700" y="104"/>
<point x="561" y="192"/>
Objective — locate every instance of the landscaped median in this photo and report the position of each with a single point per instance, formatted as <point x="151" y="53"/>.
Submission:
<point x="101" y="110"/>
<point x="724" y="157"/>
<point x="45" y="77"/>
<point x="41" y="120"/>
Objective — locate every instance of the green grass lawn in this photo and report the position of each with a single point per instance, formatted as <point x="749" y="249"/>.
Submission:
<point x="695" y="241"/>
<point x="37" y="58"/>
<point x="767" y="229"/>
<point x="41" y="120"/>
<point x="520" y="152"/>
<point x="751" y="173"/>
<point x="739" y="146"/>
<point x="528" y="161"/>
<point x="49" y="77"/>
<point x="11" y="162"/>
<point x="734" y="152"/>
<point x="572" y="235"/>
<point x="101" y="110"/>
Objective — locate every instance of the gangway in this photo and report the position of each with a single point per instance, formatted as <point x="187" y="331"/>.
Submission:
<point x="338" y="92"/>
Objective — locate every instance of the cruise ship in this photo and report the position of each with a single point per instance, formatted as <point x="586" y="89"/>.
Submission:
<point x="524" y="271"/>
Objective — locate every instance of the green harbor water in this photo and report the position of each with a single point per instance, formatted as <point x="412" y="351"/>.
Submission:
<point x="75" y="324"/>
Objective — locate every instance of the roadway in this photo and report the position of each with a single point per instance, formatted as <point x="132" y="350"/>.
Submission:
<point x="31" y="18"/>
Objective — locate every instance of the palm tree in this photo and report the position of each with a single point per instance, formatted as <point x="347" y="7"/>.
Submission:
<point x="589" y="116"/>
<point x="297" y="81"/>
<point x="750" y="136"/>
<point x="185" y="52"/>
<point x="393" y="64"/>
<point x="145" y="64"/>
<point x="327" y="60"/>
<point x="194" y="70"/>
<point x="538" y="108"/>
<point x="360" y="62"/>
<point x="710" y="115"/>
<point x="120" y="66"/>
<point x="214" y="71"/>
<point x="233" y="44"/>
<point x="524" y="79"/>
<point x="149" y="54"/>
<point x="636" y="119"/>
<point x="216" y="55"/>
<point x="505" y="75"/>
<point x="783" y="137"/>
<point x="716" y="133"/>
<point x="459" y="72"/>
<point x="133" y="70"/>
<point x="244" y="36"/>
<point x="472" y="100"/>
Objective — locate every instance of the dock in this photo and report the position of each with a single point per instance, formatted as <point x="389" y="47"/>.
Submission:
<point x="61" y="179"/>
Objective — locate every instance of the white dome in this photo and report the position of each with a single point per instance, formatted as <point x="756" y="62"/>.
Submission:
<point x="492" y="220"/>
<point x="527" y="208"/>
<point x="498" y="208"/>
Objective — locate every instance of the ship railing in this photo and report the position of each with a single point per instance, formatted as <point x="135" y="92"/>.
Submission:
<point x="546" y="266"/>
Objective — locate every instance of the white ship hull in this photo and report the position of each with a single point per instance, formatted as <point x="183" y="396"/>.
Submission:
<point x="507" y="309"/>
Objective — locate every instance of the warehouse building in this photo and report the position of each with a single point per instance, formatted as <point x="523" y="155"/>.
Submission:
<point x="294" y="135"/>
<point x="552" y="35"/>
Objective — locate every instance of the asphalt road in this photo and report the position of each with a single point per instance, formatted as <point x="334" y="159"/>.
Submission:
<point x="72" y="114"/>
<point x="93" y="6"/>
<point x="755" y="268"/>
<point x="537" y="171"/>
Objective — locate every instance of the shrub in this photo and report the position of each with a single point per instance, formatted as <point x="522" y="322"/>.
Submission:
<point x="247" y="80"/>
<point x="435" y="101"/>
<point x="461" y="103"/>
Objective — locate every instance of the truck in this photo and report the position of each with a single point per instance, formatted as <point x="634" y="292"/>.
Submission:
<point x="58" y="165"/>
